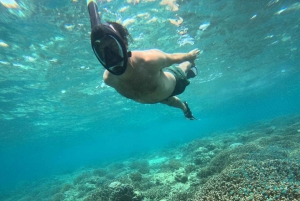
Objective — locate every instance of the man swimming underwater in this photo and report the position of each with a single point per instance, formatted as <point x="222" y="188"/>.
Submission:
<point x="143" y="76"/>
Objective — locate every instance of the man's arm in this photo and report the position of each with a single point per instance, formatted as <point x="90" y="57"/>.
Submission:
<point x="159" y="59"/>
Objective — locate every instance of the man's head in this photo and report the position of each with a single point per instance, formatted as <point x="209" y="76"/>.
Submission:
<point x="122" y="31"/>
<point x="97" y="32"/>
<point x="110" y="44"/>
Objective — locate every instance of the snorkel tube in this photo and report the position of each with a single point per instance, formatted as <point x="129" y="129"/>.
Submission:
<point x="93" y="11"/>
<point x="107" y="43"/>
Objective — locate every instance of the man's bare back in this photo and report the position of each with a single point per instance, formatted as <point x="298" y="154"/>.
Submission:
<point x="141" y="81"/>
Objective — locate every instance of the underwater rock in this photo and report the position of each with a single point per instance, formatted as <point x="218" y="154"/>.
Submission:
<point x="82" y="178"/>
<point x="136" y="177"/>
<point x="211" y="147"/>
<point x="114" y="184"/>
<point x="157" y="161"/>
<point x="157" y="193"/>
<point x="138" y="196"/>
<point x="97" y="195"/>
<point x="164" y="178"/>
<point x="201" y="160"/>
<point x="201" y="150"/>
<point x="121" y="192"/>
<point x="180" y="177"/>
<point x="100" y="172"/>
<point x="172" y="165"/>
<point x="144" y="170"/>
<point x="205" y="172"/>
<point x="141" y="165"/>
<point x="190" y="168"/>
<point x="270" y="130"/>
<point x="202" y="156"/>
<point x="234" y="145"/>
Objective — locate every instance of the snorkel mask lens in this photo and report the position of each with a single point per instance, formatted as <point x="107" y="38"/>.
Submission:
<point x="109" y="52"/>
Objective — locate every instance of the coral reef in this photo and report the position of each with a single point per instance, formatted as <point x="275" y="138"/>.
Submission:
<point x="122" y="192"/>
<point x="100" y="172"/>
<point x="202" y="156"/>
<point x="171" y="165"/>
<point x="250" y="180"/>
<point x="98" y="195"/>
<point x="190" y="168"/>
<point x="181" y="177"/>
<point x="115" y="191"/>
<point x="141" y="165"/>
<point x="157" y="193"/>
<point x="255" y="163"/>
<point x="136" y="177"/>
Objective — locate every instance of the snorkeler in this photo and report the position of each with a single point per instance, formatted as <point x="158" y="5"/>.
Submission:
<point x="143" y="76"/>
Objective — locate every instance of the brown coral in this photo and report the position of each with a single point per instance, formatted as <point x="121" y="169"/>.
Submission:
<point x="171" y="4"/>
<point x="133" y="1"/>
<point x="177" y="22"/>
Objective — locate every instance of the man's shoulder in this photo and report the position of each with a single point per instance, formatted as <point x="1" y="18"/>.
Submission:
<point x="146" y="55"/>
<point x="140" y="56"/>
<point x="146" y="51"/>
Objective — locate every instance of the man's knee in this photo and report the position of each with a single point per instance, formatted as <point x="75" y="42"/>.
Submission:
<point x="169" y="101"/>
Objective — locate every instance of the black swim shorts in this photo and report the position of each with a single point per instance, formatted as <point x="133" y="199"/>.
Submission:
<point x="181" y="80"/>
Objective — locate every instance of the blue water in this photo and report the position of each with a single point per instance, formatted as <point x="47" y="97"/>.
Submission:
<point x="56" y="118"/>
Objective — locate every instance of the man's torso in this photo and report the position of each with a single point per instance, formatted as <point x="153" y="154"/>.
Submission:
<point x="141" y="83"/>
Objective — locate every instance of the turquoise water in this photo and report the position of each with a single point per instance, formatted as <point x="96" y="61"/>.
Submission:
<point x="58" y="117"/>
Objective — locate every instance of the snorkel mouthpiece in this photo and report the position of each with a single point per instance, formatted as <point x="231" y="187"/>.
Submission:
<point x="106" y="42"/>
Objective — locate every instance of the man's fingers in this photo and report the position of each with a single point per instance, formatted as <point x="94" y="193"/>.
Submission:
<point x="196" y="51"/>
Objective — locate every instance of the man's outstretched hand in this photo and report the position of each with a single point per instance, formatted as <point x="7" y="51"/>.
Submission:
<point x="194" y="55"/>
<point x="188" y="113"/>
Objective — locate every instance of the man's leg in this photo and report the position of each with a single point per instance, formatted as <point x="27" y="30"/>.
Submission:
<point x="185" y="66"/>
<point x="174" y="101"/>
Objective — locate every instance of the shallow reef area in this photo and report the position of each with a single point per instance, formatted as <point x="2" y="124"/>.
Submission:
<point x="257" y="162"/>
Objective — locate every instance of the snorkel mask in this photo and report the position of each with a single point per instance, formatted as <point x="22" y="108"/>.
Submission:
<point x="107" y="43"/>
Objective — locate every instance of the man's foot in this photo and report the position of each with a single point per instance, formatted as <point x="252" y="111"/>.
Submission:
<point x="193" y="72"/>
<point x="188" y="113"/>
